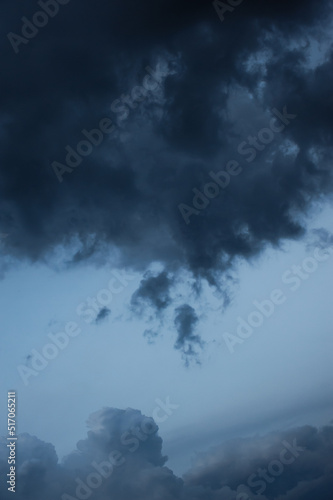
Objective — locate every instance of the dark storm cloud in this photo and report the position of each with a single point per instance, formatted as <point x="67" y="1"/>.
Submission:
<point x="102" y="314"/>
<point x="122" y="458"/>
<point x="218" y="85"/>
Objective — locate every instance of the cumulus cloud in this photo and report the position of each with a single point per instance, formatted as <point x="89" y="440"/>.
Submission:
<point x="122" y="457"/>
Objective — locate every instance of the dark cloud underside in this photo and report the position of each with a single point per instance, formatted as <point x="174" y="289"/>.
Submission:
<point x="218" y="86"/>
<point x="126" y="193"/>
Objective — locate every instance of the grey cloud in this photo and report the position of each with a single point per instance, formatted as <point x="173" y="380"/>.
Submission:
<point x="237" y="464"/>
<point x="150" y="335"/>
<point x="153" y="291"/>
<point x="139" y="470"/>
<point x="185" y="322"/>
<point x="122" y="200"/>
<point x="102" y="314"/>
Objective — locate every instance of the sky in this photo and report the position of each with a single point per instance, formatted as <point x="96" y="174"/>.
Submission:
<point x="166" y="249"/>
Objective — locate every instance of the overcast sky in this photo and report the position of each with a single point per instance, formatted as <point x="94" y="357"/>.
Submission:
<point x="166" y="244"/>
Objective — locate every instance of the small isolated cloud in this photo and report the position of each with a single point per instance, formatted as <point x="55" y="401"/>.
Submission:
<point x="102" y="314"/>
<point x="185" y="323"/>
<point x="150" y="335"/>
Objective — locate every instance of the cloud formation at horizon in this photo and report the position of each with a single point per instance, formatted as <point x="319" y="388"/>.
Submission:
<point x="122" y="457"/>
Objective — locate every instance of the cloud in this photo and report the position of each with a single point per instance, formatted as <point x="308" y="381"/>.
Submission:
<point x="122" y="455"/>
<point x="321" y="238"/>
<point x="153" y="291"/>
<point x="102" y="314"/>
<point x="243" y="465"/>
<point x="185" y="322"/>
<point x="150" y="335"/>
<point x="220" y="87"/>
